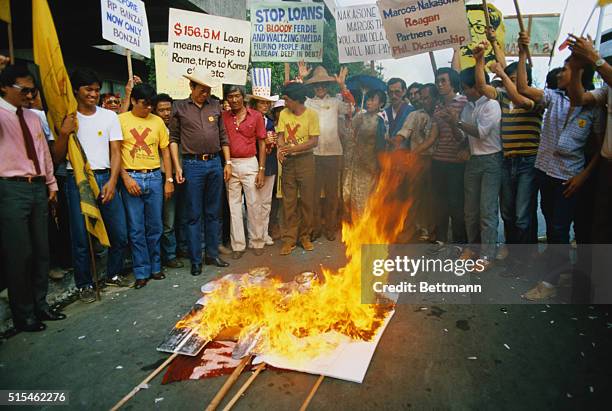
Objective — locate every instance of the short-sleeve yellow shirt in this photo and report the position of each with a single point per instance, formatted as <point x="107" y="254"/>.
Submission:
<point x="298" y="129"/>
<point x="142" y="139"/>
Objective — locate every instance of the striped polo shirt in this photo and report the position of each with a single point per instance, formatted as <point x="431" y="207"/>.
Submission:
<point x="448" y="145"/>
<point x="520" y="128"/>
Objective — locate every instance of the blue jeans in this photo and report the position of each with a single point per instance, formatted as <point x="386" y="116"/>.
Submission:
<point x="203" y="195"/>
<point x="482" y="184"/>
<point x="144" y="216"/>
<point x="168" y="239"/>
<point x="519" y="198"/>
<point x="559" y="213"/>
<point x="113" y="215"/>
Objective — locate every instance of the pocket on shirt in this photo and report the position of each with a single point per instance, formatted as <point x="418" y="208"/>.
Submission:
<point x="575" y="136"/>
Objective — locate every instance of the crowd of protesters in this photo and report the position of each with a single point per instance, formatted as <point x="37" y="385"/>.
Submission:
<point x="175" y="175"/>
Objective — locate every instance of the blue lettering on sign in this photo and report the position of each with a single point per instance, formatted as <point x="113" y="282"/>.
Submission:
<point x="114" y="19"/>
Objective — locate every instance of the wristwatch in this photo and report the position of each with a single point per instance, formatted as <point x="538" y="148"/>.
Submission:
<point x="599" y="62"/>
<point x="170" y="180"/>
<point x="460" y="124"/>
<point x="228" y="162"/>
<point x="261" y="168"/>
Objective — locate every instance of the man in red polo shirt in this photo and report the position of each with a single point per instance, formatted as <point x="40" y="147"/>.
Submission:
<point x="245" y="129"/>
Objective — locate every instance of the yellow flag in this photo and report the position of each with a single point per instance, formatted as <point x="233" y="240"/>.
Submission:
<point x="604" y="2"/>
<point x="60" y="100"/>
<point x="5" y="10"/>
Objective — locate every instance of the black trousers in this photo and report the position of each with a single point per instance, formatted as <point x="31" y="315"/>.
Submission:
<point x="24" y="246"/>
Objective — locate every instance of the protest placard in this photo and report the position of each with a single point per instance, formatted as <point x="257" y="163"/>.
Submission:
<point x="419" y="26"/>
<point x="124" y="22"/>
<point x="360" y="34"/>
<point x="175" y="87"/>
<point x="478" y="26"/>
<point x="284" y="31"/>
<point x="219" y="46"/>
<point x="544" y="30"/>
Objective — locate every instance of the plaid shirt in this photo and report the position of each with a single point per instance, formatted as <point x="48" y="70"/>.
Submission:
<point x="563" y="139"/>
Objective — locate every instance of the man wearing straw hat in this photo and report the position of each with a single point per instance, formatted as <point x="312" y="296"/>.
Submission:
<point x="328" y="153"/>
<point x="197" y="126"/>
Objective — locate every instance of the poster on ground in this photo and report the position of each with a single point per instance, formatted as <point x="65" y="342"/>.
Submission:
<point x="287" y="31"/>
<point x="419" y="26"/>
<point x="544" y="30"/>
<point x="219" y="46"/>
<point x="124" y="22"/>
<point x="360" y="34"/>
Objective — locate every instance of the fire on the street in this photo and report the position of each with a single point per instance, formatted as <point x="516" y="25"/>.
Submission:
<point x="275" y="317"/>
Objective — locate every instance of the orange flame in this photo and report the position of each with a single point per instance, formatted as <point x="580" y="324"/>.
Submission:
<point x="334" y="304"/>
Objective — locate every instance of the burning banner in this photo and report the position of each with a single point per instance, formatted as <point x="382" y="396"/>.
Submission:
<point x="313" y="324"/>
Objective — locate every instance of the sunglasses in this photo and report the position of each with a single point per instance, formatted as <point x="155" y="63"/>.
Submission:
<point x="113" y="101"/>
<point x="26" y="90"/>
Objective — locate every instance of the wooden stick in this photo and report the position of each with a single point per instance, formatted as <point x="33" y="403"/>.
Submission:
<point x="228" y="384"/>
<point x="94" y="270"/>
<point x="244" y="387"/>
<point x="145" y="381"/>
<point x="485" y="9"/>
<point x="313" y="391"/>
<point x="10" y="41"/>
<point x="287" y="73"/>
<point x="128" y="55"/>
<point x="432" y="59"/>
<point x="519" y="17"/>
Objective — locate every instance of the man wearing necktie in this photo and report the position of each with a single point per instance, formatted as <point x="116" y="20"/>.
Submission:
<point x="27" y="184"/>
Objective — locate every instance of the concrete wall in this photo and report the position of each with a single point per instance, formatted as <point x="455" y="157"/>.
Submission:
<point x="235" y="9"/>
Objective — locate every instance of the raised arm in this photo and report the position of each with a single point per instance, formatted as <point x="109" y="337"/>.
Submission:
<point x="500" y="55"/>
<point x="481" y="84"/>
<point x="517" y="98"/>
<point x="523" y="87"/>
<point x="584" y="55"/>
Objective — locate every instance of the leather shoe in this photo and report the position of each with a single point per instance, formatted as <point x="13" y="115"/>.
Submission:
<point x="196" y="269"/>
<point x="140" y="283"/>
<point x="237" y="254"/>
<point x="50" y="315"/>
<point x="215" y="261"/>
<point x="30" y="325"/>
<point x="258" y="251"/>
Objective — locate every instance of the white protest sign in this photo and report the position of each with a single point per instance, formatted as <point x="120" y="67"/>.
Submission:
<point x="175" y="87"/>
<point x="419" y="26"/>
<point x="218" y="46"/>
<point x="124" y="22"/>
<point x="360" y="34"/>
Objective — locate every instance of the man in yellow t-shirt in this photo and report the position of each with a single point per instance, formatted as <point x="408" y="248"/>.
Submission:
<point x="144" y="136"/>
<point x="298" y="134"/>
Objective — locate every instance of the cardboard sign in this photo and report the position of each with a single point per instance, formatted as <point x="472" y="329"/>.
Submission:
<point x="217" y="45"/>
<point x="124" y="22"/>
<point x="360" y="34"/>
<point x="543" y="33"/>
<point x="420" y="26"/>
<point x="477" y="23"/>
<point x="175" y="87"/>
<point x="287" y="31"/>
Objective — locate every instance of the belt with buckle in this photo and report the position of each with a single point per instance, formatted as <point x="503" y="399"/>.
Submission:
<point x="146" y="170"/>
<point x="204" y="157"/>
<point x="100" y="171"/>
<point x="32" y="179"/>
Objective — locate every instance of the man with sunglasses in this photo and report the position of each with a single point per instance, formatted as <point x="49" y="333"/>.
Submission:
<point x="27" y="184"/>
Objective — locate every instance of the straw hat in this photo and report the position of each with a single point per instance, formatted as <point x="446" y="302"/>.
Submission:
<point x="200" y="77"/>
<point x="258" y="95"/>
<point x="319" y="75"/>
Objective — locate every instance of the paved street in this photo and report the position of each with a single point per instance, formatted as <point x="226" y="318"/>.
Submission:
<point x="430" y="357"/>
